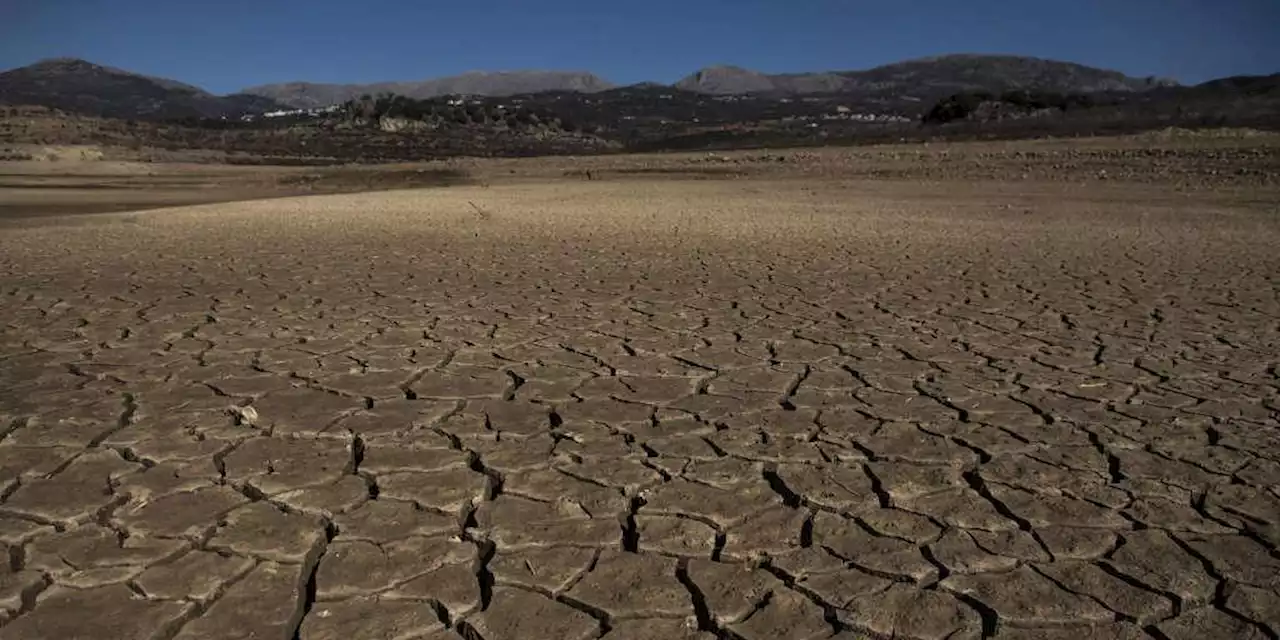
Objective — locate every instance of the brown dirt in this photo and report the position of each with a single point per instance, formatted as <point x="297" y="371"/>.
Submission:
<point x="777" y="407"/>
<point x="90" y="179"/>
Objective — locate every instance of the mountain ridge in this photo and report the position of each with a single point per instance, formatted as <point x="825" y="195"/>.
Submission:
<point x="958" y="71"/>
<point x="306" y="95"/>
<point x="81" y="86"/>
<point x="726" y="79"/>
<point x="76" y="85"/>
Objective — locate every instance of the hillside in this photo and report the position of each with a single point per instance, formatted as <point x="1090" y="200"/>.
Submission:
<point x="732" y="80"/>
<point x="924" y="78"/>
<point x="1243" y="85"/>
<point x="307" y="95"/>
<point x="83" y="87"/>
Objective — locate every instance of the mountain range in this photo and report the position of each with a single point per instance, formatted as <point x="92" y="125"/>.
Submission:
<point x="83" y="87"/>
<point x="78" y="86"/>
<point x="307" y="95"/>
<point x="957" y="72"/>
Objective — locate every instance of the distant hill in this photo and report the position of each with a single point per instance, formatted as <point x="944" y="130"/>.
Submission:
<point x="910" y="86"/>
<point x="306" y="95"/>
<point x="921" y="79"/>
<point x="1245" y="85"/>
<point x="924" y="78"/>
<point x="83" y="87"/>
<point x="731" y="80"/>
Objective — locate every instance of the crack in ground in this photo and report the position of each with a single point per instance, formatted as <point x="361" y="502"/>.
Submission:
<point x="627" y="520"/>
<point x="828" y="610"/>
<point x="602" y="617"/>
<point x="357" y="449"/>
<point x="792" y="387"/>
<point x="979" y="486"/>
<point x="126" y="418"/>
<point x="517" y="381"/>
<point x="1180" y="604"/>
<point x="493" y="479"/>
<point x="701" y="611"/>
<point x="1120" y="617"/>
<point x="311" y="569"/>
<point x="11" y="426"/>
<point x="485" y="550"/>
<point x="201" y="607"/>
<point x="789" y="498"/>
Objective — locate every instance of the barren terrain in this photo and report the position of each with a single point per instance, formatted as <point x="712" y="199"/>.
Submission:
<point x="998" y="390"/>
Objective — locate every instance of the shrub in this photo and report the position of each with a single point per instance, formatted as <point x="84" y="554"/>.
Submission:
<point x="956" y="107"/>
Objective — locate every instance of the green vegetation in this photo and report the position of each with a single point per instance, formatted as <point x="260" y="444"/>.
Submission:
<point x="370" y="111"/>
<point x="968" y="105"/>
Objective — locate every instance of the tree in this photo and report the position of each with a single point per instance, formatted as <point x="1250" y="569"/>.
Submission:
<point x="956" y="107"/>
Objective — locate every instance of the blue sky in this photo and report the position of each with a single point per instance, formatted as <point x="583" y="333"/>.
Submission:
<point x="225" y="45"/>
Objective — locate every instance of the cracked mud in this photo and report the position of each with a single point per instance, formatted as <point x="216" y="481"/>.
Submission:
<point x="645" y="411"/>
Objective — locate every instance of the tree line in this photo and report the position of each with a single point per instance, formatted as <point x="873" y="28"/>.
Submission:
<point x="963" y="105"/>
<point x="368" y="110"/>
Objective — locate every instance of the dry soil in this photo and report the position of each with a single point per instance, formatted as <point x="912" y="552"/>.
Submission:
<point x="647" y="408"/>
